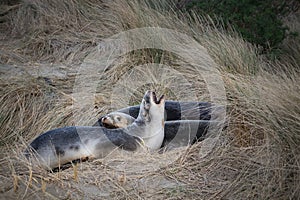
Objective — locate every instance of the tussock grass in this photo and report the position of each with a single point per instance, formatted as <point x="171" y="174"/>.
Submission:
<point x="28" y="109"/>
<point x="257" y="156"/>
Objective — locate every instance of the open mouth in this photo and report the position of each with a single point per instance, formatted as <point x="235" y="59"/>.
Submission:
<point x="155" y="98"/>
<point x="152" y="95"/>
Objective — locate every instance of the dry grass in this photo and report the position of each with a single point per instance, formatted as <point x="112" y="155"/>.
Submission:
<point x="257" y="156"/>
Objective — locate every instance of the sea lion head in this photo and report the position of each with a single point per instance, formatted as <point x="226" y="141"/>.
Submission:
<point x="152" y="108"/>
<point x="117" y="120"/>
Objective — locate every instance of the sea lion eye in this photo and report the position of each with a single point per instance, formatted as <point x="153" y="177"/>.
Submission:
<point x="118" y="118"/>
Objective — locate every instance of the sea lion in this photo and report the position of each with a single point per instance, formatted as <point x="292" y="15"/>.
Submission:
<point x="59" y="146"/>
<point x="177" y="133"/>
<point x="179" y="110"/>
<point x="176" y="110"/>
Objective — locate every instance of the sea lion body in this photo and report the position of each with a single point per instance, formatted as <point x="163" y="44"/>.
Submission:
<point x="176" y="110"/>
<point x="176" y="133"/>
<point x="59" y="146"/>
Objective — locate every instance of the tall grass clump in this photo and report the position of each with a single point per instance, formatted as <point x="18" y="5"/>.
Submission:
<point x="255" y="157"/>
<point x="31" y="108"/>
<point x="53" y="31"/>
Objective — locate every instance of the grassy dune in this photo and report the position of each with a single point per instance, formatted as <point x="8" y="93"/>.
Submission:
<point x="256" y="157"/>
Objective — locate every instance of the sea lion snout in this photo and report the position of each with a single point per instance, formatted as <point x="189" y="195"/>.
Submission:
<point x="104" y="119"/>
<point x="107" y="122"/>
